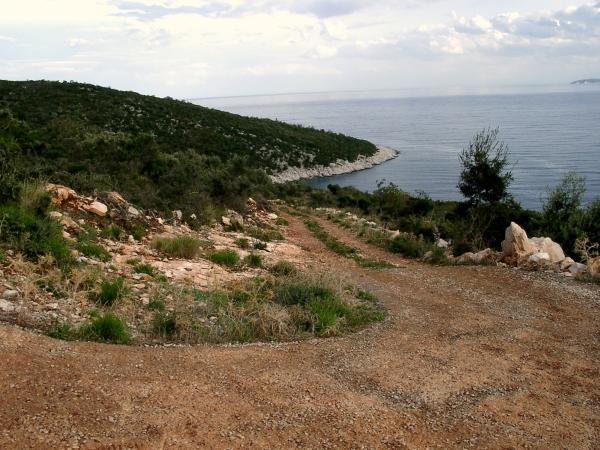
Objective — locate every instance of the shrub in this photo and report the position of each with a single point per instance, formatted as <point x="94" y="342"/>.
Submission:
<point x="34" y="197"/>
<point x="110" y="292"/>
<point x="234" y="227"/>
<point x="105" y="328"/>
<point x="408" y="246"/>
<point x="438" y="256"/>
<point x="260" y="246"/>
<point x="157" y="303"/>
<point x="137" y="231"/>
<point x="165" y="324"/>
<point x="283" y="268"/>
<point x="253" y="260"/>
<point x="61" y="330"/>
<point x="227" y="258"/>
<point x="93" y="250"/>
<point x="242" y="243"/>
<point x="144" y="268"/>
<point x="266" y="234"/>
<point x="177" y="247"/>
<point x="113" y="231"/>
<point x="281" y="221"/>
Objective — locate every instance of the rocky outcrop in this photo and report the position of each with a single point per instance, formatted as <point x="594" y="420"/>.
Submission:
<point x="518" y="246"/>
<point x="339" y="167"/>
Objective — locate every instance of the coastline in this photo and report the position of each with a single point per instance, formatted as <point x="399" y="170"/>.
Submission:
<point x="338" y="167"/>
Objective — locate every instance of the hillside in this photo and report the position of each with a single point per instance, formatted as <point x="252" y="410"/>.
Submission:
<point x="157" y="151"/>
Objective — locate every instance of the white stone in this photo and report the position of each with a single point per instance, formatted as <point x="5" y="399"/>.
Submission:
<point x="516" y="243"/>
<point x="442" y="243"/>
<point x="10" y="294"/>
<point x="55" y="215"/>
<point x="133" y="212"/>
<point x="226" y="221"/>
<point x="539" y="257"/>
<point x="100" y="209"/>
<point x="7" y="306"/>
<point x="272" y="216"/>
<point x="577" y="269"/>
<point x="177" y="214"/>
<point x="547" y="245"/>
<point x="566" y="263"/>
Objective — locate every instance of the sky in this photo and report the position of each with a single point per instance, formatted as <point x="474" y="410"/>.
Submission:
<point x="194" y="49"/>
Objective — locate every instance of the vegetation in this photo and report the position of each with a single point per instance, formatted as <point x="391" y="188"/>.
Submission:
<point x="106" y="327"/>
<point x="159" y="153"/>
<point x="110" y="292"/>
<point x="177" y="247"/>
<point x="253" y="260"/>
<point x="228" y="258"/>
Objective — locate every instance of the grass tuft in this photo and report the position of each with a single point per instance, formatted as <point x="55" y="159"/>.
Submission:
<point x="177" y="247"/>
<point x="228" y="258"/>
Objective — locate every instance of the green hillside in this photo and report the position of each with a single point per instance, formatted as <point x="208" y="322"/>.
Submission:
<point x="159" y="152"/>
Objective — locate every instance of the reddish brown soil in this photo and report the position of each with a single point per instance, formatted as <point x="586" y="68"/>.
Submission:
<point x="470" y="357"/>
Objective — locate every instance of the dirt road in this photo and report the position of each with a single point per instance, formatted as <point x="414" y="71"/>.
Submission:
<point x="471" y="357"/>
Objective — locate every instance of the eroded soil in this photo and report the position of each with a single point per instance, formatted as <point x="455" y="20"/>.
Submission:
<point x="470" y="357"/>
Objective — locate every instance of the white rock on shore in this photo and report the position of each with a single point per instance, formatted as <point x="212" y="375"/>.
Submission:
<point x="339" y="167"/>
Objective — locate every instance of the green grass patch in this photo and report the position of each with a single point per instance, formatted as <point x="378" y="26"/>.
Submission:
<point x="106" y="327"/>
<point x="283" y="268"/>
<point x="144" y="268"/>
<point x="242" y="243"/>
<point x="253" y="260"/>
<point x="228" y="258"/>
<point x="113" y="231"/>
<point x="185" y="247"/>
<point x="110" y="292"/>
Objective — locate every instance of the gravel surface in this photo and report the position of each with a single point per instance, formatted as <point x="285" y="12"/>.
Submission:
<point x="470" y="357"/>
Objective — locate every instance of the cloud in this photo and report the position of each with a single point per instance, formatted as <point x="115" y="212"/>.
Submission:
<point x="146" y="11"/>
<point x="327" y="8"/>
<point x="7" y="39"/>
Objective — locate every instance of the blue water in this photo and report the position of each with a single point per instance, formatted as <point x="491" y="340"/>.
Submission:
<point x="549" y="130"/>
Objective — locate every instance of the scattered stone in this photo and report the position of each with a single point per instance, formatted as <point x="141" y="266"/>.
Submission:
<point x="10" y="294"/>
<point x="133" y="212"/>
<point x="116" y="197"/>
<point x="566" y="263"/>
<point x="6" y="306"/>
<point x="272" y="216"/>
<point x="537" y="258"/>
<point x="55" y="215"/>
<point x="577" y="269"/>
<point x="594" y="267"/>
<point x="60" y="194"/>
<point x="100" y="209"/>
<point x="177" y="214"/>
<point x="226" y="221"/>
<point x="442" y="243"/>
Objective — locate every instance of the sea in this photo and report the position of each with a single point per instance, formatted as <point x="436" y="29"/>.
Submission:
<point x="550" y="130"/>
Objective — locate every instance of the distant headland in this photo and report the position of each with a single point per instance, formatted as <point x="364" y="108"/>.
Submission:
<point x="587" y="81"/>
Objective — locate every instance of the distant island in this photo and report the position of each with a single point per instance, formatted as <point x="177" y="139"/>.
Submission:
<point x="587" y="81"/>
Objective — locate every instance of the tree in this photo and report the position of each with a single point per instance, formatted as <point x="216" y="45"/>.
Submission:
<point x="484" y="177"/>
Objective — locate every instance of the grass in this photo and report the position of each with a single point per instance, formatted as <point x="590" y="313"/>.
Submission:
<point x="253" y="260"/>
<point x="260" y="246"/>
<point x="283" y="268"/>
<point x="242" y="243"/>
<point x="266" y="234"/>
<point x="113" y="231"/>
<point x="185" y="247"/>
<point x="110" y="292"/>
<point x="106" y="327"/>
<point x="164" y="324"/>
<point x="281" y="221"/>
<point x="138" y="231"/>
<point x="93" y="250"/>
<point x="227" y="258"/>
<point x="144" y="268"/>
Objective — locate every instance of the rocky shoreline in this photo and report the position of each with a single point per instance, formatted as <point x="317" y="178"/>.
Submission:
<point x="338" y="167"/>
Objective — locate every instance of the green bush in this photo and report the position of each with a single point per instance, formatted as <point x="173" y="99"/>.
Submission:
<point x="93" y="250"/>
<point x="242" y="243"/>
<point x="227" y="258"/>
<point x="253" y="260"/>
<point x="137" y="231"/>
<point x="105" y="327"/>
<point x="113" y="231"/>
<point x="165" y="324"/>
<point x="61" y="330"/>
<point x="281" y="221"/>
<point x="260" y="246"/>
<point x="177" y="247"/>
<point x="110" y="292"/>
<point x="408" y="246"/>
<point x="144" y="268"/>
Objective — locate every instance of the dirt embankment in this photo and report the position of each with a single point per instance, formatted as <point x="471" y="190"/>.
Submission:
<point x="470" y="357"/>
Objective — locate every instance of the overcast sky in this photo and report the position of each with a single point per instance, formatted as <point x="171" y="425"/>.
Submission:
<point x="190" y="48"/>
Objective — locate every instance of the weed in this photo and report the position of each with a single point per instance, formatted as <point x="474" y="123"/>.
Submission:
<point x="144" y="268"/>
<point x="105" y="328"/>
<point x="177" y="247"/>
<point x="283" y="268"/>
<point x="113" y="231"/>
<point x="242" y="243"/>
<point x="110" y="292"/>
<point x="133" y="261"/>
<point x="260" y="246"/>
<point x="227" y="258"/>
<point x="157" y="303"/>
<point x="253" y="260"/>
<point x="266" y="234"/>
<point x="438" y="256"/>
<point x="137" y="231"/>
<point x="165" y="324"/>
<point x="61" y="330"/>
<point x="234" y="227"/>
<point x="281" y="221"/>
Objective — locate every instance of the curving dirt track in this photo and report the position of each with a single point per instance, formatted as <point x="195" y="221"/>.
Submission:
<point x="471" y="357"/>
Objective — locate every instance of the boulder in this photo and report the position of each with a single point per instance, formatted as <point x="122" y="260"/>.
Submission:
<point x="177" y="214"/>
<point x="593" y="267"/>
<point x="482" y="257"/>
<point x="133" y="212"/>
<point x="539" y="257"/>
<point x="442" y="243"/>
<point x="516" y="244"/>
<point x="10" y="294"/>
<point x="55" y="215"/>
<point x="226" y="221"/>
<point x="272" y="216"/>
<point x="116" y="197"/>
<point x="547" y="245"/>
<point x="566" y="263"/>
<point x="60" y="194"/>
<point x="100" y="209"/>
<point x="577" y="269"/>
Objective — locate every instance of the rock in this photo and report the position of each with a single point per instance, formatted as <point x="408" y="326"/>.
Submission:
<point x="466" y="258"/>
<point x="427" y="256"/>
<point x="538" y="257"/>
<point x="6" y="306"/>
<point x="131" y="239"/>
<point x="193" y="217"/>
<point x="177" y="214"/>
<point x="60" y="194"/>
<point x="547" y="245"/>
<point x="133" y="212"/>
<point x="10" y="294"/>
<point x="484" y="256"/>
<point x="577" y="269"/>
<point x="566" y="263"/>
<point x="55" y="215"/>
<point x="394" y="234"/>
<point x="66" y="234"/>
<point x="117" y="198"/>
<point x="226" y="221"/>
<point x="100" y="209"/>
<point x="442" y="243"/>
<point x="272" y="216"/>
<point x="593" y="267"/>
<point x="516" y="244"/>
<point x="234" y="216"/>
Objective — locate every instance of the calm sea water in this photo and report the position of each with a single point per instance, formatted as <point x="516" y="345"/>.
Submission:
<point x="549" y="130"/>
